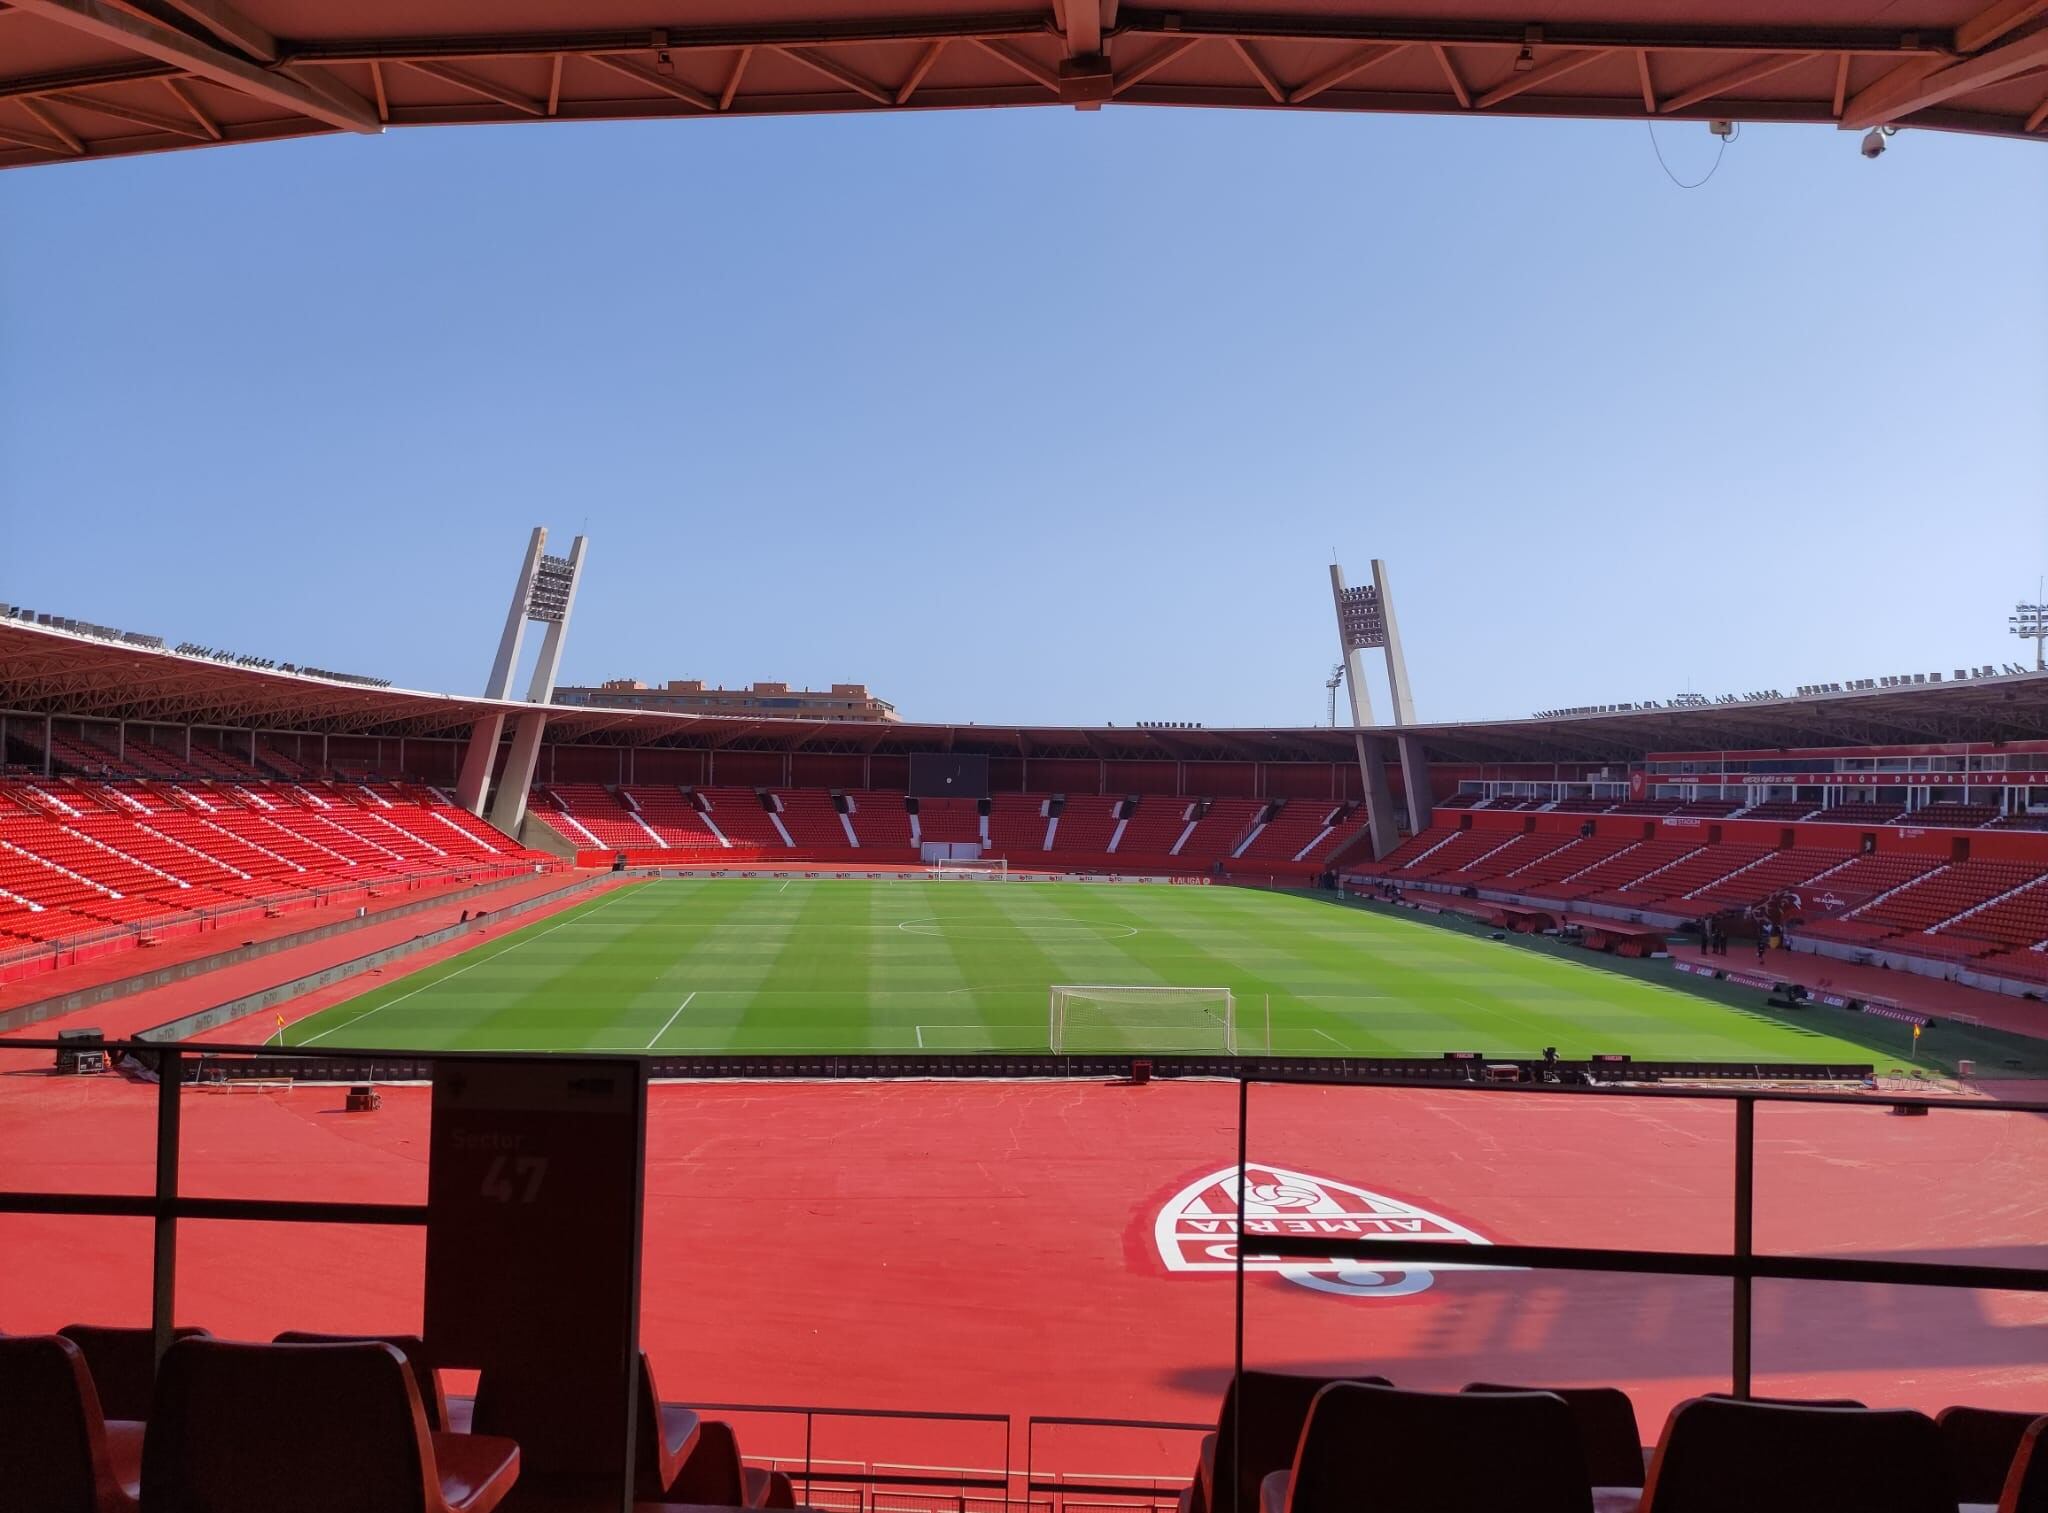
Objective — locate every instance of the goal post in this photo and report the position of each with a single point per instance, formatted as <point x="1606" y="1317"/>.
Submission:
<point x="980" y="867"/>
<point x="1089" y="1018"/>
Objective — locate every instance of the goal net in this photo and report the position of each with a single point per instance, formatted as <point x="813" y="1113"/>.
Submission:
<point x="984" y="867"/>
<point x="1098" y="1017"/>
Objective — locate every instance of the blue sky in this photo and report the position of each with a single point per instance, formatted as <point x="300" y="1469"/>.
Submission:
<point x="1044" y="416"/>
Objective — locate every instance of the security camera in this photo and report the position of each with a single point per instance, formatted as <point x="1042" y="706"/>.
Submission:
<point x="1874" y="142"/>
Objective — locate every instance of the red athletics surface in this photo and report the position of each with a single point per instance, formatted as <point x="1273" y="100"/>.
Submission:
<point x="990" y="1246"/>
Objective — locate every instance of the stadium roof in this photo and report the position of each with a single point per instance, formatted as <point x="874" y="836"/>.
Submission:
<point x="96" y="78"/>
<point x="72" y="675"/>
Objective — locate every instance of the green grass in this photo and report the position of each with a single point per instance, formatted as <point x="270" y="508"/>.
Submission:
<point x="829" y="966"/>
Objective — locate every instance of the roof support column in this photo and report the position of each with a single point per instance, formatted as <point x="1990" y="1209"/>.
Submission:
<point x="1380" y="818"/>
<point x="474" y="780"/>
<point x="509" y="808"/>
<point x="1415" y="783"/>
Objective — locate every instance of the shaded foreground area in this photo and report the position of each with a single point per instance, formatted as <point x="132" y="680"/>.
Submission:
<point x="995" y="1247"/>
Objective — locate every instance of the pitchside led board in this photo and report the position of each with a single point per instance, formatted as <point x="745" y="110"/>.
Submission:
<point x="942" y="775"/>
<point x="533" y="1249"/>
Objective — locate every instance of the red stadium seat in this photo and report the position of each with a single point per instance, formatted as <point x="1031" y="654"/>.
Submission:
<point x="1717" y="1454"/>
<point x="433" y="1401"/>
<point x="1367" y="1449"/>
<point x="56" y="1453"/>
<point x="123" y="1364"/>
<point x="309" y="1428"/>
<point x="715" y="1476"/>
<point x="663" y="1438"/>
<point x="1982" y="1444"/>
<point x="2026" y="1485"/>
<point x="1608" y="1433"/>
<point x="1257" y="1433"/>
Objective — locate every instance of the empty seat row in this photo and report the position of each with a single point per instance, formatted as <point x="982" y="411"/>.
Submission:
<point x="309" y="1422"/>
<point x="1288" y="1443"/>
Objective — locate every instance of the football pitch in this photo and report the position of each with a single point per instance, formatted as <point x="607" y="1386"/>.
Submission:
<point x="846" y="967"/>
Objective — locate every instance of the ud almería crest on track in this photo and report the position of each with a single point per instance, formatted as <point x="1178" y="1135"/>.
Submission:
<point x="1197" y="1230"/>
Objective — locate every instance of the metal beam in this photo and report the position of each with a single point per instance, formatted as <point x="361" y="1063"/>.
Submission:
<point x="463" y="79"/>
<point x="95" y="18"/>
<point x="1023" y="62"/>
<point x="1878" y="106"/>
<point x="687" y="93"/>
<point x="230" y="25"/>
<point x="831" y="68"/>
<point x="1450" y="72"/>
<point x="54" y="127"/>
<point x="1153" y="62"/>
<point x="1541" y="74"/>
<point x="1647" y="84"/>
<point x="1081" y="24"/>
<point x="182" y="93"/>
<point x="739" y="72"/>
<point x="21" y="136"/>
<point x="1257" y="67"/>
<point x="122" y="111"/>
<point x="1993" y="22"/>
<point x="1356" y="63"/>
<point x="1734" y="78"/>
<point x="918" y="70"/>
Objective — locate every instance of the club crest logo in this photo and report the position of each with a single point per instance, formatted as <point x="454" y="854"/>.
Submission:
<point x="1197" y="1230"/>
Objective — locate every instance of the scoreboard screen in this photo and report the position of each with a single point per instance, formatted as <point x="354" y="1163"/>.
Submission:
<point x="937" y="775"/>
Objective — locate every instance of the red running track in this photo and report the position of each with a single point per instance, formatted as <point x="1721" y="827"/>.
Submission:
<point x="991" y="1246"/>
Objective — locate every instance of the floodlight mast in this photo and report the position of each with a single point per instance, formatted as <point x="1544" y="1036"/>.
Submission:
<point x="2030" y="623"/>
<point x="1365" y="622"/>
<point x="544" y="593"/>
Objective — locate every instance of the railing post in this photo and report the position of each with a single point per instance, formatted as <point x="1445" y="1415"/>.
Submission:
<point x="163" y="1289"/>
<point x="1743" y="1246"/>
<point x="1244" y="1108"/>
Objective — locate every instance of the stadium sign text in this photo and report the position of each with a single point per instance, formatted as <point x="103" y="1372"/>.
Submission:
<point x="1196" y="1231"/>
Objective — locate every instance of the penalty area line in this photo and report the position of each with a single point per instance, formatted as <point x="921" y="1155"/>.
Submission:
<point x="671" y="1020"/>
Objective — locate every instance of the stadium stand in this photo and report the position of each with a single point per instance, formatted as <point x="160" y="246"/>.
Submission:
<point x="883" y="825"/>
<point x="1777" y="871"/>
<point x="79" y="858"/>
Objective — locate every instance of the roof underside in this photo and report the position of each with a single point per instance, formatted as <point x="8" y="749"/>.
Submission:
<point x="46" y="672"/>
<point x="97" y="78"/>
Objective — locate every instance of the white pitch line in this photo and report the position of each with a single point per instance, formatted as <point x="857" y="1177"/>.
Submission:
<point x="1329" y="1037"/>
<point x="515" y="945"/>
<point x="671" y="1020"/>
<point x="920" y="1037"/>
<point x="785" y="886"/>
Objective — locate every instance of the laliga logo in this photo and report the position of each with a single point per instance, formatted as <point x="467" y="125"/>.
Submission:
<point x="1197" y="1230"/>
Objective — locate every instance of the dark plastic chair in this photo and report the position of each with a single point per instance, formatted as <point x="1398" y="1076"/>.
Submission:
<point x="2026" y="1485"/>
<point x="54" y="1451"/>
<point x="1717" y="1454"/>
<point x="715" y="1476"/>
<point x="1982" y="1443"/>
<point x="309" y="1429"/>
<point x="1608" y="1432"/>
<point x="1789" y="1402"/>
<point x="1383" y="1450"/>
<point x="663" y="1438"/>
<point x="123" y="1364"/>
<point x="524" y="1408"/>
<point x="1274" y="1406"/>
<point x="432" y="1399"/>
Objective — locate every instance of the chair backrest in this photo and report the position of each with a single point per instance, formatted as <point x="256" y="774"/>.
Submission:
<point x="1789" y="1402"/>
<point x="123" y="1364"/>
<point x="2026" y="1485"/>
<point x="1716" y="1454"/>
<point x="53" y="1443"/>
<point x="1368" y="1448"/>
<point x="313" y="1428"/>
<point x="433" y="1401"/>
<point x="1268" y="1408"/>
<point x="1981" y="1445"/>
<point x="1608" y="1432"/>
